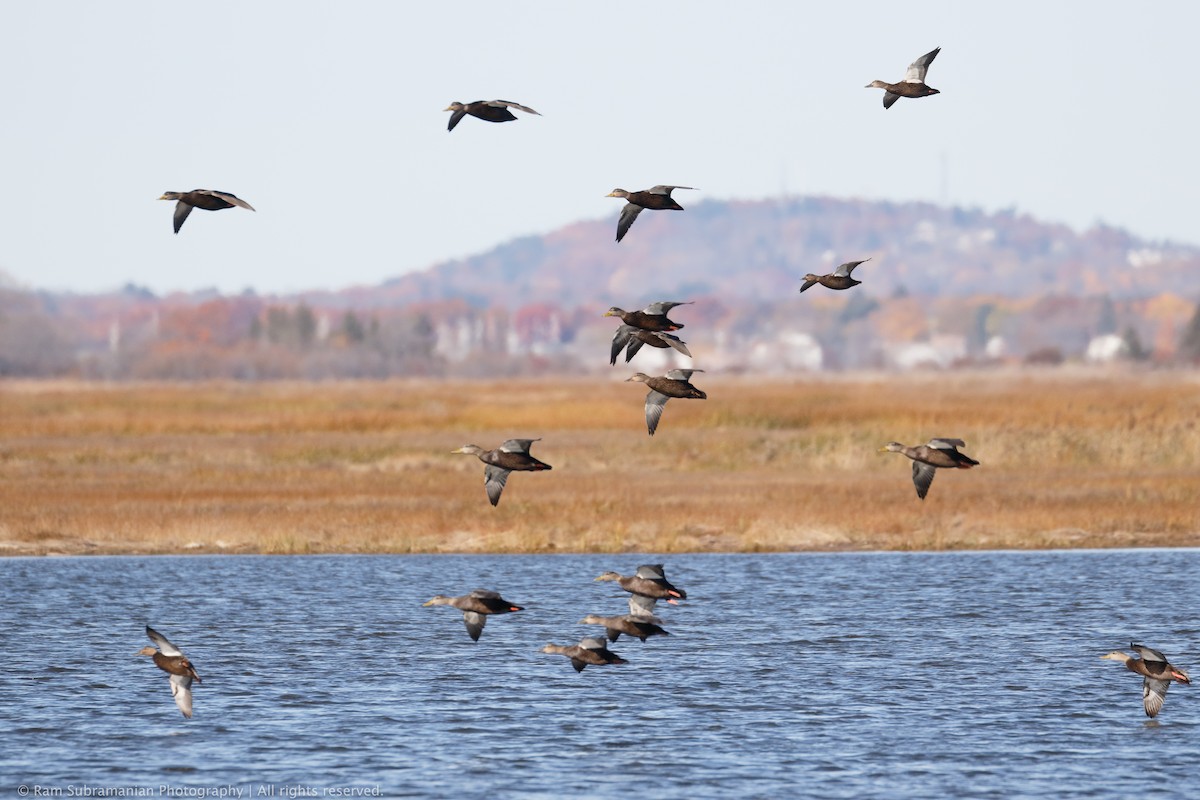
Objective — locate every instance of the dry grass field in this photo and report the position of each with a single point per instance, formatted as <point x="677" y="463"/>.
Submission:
<point x="1083" y="460"/>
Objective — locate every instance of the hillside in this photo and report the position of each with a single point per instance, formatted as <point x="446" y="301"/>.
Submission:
<point x="748" y="251"/>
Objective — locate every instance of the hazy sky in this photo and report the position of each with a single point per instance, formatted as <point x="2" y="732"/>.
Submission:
<point x="327" y="117"/>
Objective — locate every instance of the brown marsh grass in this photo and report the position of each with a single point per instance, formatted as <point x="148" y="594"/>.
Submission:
<point x="1084" y="460"/>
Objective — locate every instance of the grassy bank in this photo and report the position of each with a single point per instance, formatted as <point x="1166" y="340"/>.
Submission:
<point x="1067" y="461"/>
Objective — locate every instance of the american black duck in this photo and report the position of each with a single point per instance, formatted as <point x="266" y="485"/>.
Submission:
<point x="657" y="198"/>
<point x="476" y="607"/>
<point x="838" y="279"/>
<point x="171" y="659"/>
<point x="639" y="626"/>
<point x="1156" y="673"/>
<point x="650" y="580"/>
<point x="488" y="110"/>
<point x="676" y="383"/>
<point x="207" y="199"/>
<point x="589" y="651"/>
<point x="631" y="339"/>
<point x="928" y="458"/>
<point x="512" y="455"/>
<point x="651" y="318"/>
<point x="913" y="84"/>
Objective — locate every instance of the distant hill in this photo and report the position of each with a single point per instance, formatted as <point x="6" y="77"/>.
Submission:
<point x="746" y="251"/>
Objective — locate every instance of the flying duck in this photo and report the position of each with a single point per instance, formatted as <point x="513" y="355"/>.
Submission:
<point x="512" y="455"/>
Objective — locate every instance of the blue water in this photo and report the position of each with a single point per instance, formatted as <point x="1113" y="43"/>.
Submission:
<point x="833" y="675"/>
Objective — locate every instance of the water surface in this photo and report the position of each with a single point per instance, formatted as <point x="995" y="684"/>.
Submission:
<point x="839" y="675"/>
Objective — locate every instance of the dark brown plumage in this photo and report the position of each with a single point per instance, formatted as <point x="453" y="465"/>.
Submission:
<point x="650" y="580"/>
<point x="512" y="455"/>
<point x="589" y="651"/>
<point x="657" y="198"/>
<point x="838" y="279"/>
<point x="651" y="318"/>
<point x="913" y="84"/>
<point x="676" y="383"/>
<point x="940" y="453"/>
<point x="631" y="339"/>
<point x="207" y="199"/>
<point x="635" y="625"/>
<point x="487" y="110"/>
<point x="476" y="608"/>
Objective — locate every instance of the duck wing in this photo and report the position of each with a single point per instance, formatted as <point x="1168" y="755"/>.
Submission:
<point x="845" y="269"/>
<point x="1149" y="654"/>
<point x="662" y="189"/>
<point x="455" y="118"/>
<point x="923" y="477"/>
<point x="181" y="690"/>
<point x="808" y="285"/>
<point x="641" y="606"/>
<point x="663" y="306"/>
<point x="164" y="645"/>
<point x="621" y="340"/>
<point x="889" y="99"/>
<point x="494" y="479"/>
<point x="1154" y="693"/>
<point x="628" y="215"/>
<point x="182" y="210"/>
<point x="474" y="622"/>
<point x="232" y="199"/>
<point x="510" y="104"/>
<point x="518" y="445"/>
<point x="942" y="443"/>
<point x="917" y="69"/>
<point x="674" y="341"/>
<point x="682" y="374"/>
<point x="655" y="401"/>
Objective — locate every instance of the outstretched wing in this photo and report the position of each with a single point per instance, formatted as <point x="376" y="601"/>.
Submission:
<point x="655" y="401"/>
<point x="620" y="341"/>
<point x="674" y="341"/>
<point x="455" y="118"/>
<point x="808" y="285"/>
<point x="663" y="306"/>
<point x="518" y="445"/>
<point x="917" y="69"/>
<point x="494" y="479"/>
<point x="510" y="104"/>
<point x="232" y="199"/>
<point x="642" y="606"/>
<point x="941" y="443"/>
<point x="164" y="645"/>
<point x="682" y="374"/>
<point x="182" y="210"/>
<point x="666" y="189"/>
<point x="923" y="478"/>
<point x="845" y="269"/>
<point x="628" y="215"/>
<point x="181" y="690"/>
<point x="1154" y="694"/>
<point x="889" y="99"/>
<point x="474" y="622"/>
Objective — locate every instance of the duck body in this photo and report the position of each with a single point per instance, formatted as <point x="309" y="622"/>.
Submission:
<point x="913" y="84"/>
<point x="486" y="110"/>
<point x="589" y="652"/>
<point x="676" y="383"/>
<point x="651" y="318"/>
<point x="939" y="453"/>
<point x="476" y="606"/>
<point x="510" y="456"/>
<point x="1157" y="674"/>
<point x="207" y="199"/>
<point x="170" y="659"/>
<point x="650" y="580"/>
<point x="657" y="198"/>
<point x="839" y="279"/>
<point x="639" y="626"/>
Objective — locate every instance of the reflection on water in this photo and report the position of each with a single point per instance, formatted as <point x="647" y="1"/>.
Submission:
<point x="841" y="675"/>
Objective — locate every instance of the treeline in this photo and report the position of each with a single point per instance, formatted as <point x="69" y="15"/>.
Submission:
<point x="133" y="335"/>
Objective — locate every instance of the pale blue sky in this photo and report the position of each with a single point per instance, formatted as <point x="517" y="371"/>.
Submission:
<point x="327" y="117"/>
